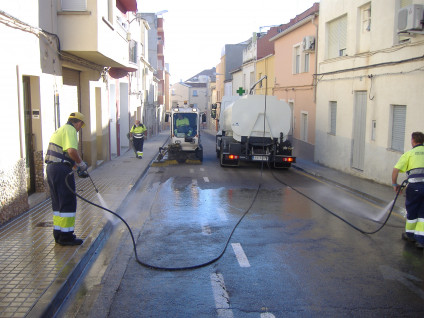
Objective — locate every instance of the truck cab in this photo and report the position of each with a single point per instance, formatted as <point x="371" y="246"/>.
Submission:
<point x="185" y="133"/>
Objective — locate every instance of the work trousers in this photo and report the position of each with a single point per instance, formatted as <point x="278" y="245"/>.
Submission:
<point x="414" y="205"/>
<point x="64" y="201"/>
<point x="138" y="146"/>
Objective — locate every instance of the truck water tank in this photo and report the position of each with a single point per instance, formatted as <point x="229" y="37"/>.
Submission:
<point x="248" y="116"/>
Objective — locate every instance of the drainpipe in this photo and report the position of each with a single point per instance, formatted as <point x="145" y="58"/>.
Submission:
<point x="316" y="58"/>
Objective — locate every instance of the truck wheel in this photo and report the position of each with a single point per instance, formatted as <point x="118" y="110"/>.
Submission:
<point x="221" y="157"/>
<point x="199" y="154"/>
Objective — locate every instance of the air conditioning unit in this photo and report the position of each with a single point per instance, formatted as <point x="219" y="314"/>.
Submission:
<point x="411" y="19"/>
<point x="308" y="43"/>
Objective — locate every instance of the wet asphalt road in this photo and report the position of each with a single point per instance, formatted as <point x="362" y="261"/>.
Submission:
<point x="292" y="255"/>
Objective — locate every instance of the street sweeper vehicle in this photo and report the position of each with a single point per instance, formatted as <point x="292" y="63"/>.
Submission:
<point x="185" y="123"/>
<point x="255" y="128"/>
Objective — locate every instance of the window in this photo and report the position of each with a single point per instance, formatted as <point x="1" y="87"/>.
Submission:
<point x="304" y="126"/>
<point x="337" y="33"/>
<point x="398" y="127"/>
<point x="296" y="60"/>
<point x="333" y="118"/>
<point x="366" y="18"/>
<point x="306" y="62"/>
<point x="194" y="92"/>
<point x="133" y="51"/>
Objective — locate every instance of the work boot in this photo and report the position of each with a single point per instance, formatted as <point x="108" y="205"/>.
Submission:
<point x="69" y="240"/>
<point x="406" y="237"/>
<point x="419" y="245"/>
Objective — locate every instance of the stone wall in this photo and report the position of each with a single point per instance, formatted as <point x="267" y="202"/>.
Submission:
<point x="13" y="191"/>
<point x="40" y="180"/>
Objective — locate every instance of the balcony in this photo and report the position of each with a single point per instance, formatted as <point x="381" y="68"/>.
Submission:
<point x="96" y="32"/>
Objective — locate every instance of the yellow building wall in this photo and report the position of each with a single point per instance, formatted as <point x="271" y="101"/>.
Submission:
<point x="266" y="67"/>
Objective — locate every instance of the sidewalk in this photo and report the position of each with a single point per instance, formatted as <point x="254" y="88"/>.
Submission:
<point x="36" y="274"/>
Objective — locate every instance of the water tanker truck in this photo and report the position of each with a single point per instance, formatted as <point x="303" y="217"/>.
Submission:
<point x="254" y="128"/>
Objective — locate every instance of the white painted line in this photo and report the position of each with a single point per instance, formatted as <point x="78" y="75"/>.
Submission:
<point x="194" y="182"/>
<point x="267" y="315"/>
<point x="191" y="170"/>
<point x="222" y="300"/>
<point x="202" y="169"/>
<point x="240" y="255"/>
<point x="206" y="179"/>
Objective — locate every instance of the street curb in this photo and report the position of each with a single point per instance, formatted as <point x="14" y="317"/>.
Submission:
<point x="354" y="191"/>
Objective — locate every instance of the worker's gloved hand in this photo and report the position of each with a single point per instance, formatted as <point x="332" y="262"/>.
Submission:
<point x="82" y="174"/>
<point x="82" y="166"/>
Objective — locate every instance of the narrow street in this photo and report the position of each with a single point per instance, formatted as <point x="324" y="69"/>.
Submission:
<point x="288" y="257"/>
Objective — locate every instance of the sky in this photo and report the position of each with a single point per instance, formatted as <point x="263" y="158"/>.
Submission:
<point x="196" y="31"/>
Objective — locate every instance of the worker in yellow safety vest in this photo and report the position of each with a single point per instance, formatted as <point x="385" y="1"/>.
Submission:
<point x="412" y="162"/>
<point x="62" y="155"/>
<point x="137" y="137"/>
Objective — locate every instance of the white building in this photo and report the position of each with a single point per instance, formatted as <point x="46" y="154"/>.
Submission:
<point x="58" y="57"/>
<point x="369" y="91"/>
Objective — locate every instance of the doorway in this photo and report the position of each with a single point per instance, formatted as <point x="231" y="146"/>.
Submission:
<point x="29" y="135"/>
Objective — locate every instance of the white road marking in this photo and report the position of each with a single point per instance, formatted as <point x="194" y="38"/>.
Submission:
<point x="240" y="255"/>
<point x="267" y="315"/>
<point x="202" y="169"/>
<point x="206" y="179"/>
<point x="191" y="170"/>
<point x="222" y="300"/>
<point x="194" y="182"/>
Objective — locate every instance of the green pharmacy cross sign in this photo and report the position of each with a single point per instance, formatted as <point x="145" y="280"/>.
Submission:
<point x="240" y="91"/>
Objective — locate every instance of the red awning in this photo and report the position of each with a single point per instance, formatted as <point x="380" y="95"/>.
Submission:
<point x="119" y="72"/>
<point x="128" y="5"/>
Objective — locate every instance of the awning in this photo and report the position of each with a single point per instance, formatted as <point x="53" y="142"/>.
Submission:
<point x="119" y="72"/>
<point x="128" y="5"/>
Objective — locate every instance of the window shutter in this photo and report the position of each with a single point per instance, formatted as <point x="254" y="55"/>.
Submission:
<point x="337" y="34"/>
<point x="333" y="117"/>
<point x="398" y="130"/>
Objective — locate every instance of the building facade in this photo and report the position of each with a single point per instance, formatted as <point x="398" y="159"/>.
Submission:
<point x="60" y="57"/>
<point x="369" y="96"/>
<point x="295" y="53"/>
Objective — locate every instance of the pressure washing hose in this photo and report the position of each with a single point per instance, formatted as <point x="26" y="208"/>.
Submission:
<point x="134" y="243"/>
<point x="404" y="183"/>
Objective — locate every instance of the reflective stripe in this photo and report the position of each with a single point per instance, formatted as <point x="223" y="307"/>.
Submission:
<point x="64" y="221"/>
<point x="415" y="226"/>
<point x="415" y="180"/>
<point x="65" y="214"/>
<point x="139" y="153"/>
<point x="416" y="171"/>
<point x="63" y="229"/>
<point x="138" y="136"/>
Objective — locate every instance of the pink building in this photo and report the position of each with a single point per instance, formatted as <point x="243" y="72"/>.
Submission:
<point x="295" y="66"/>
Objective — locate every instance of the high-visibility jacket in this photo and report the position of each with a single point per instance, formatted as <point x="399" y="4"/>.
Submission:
<point x="138" y="131"/>
<point x="62" y="139"/>
<point x="63" y="201"/>
<point x="412" y="162"/>
<point x="182" y="122"/>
